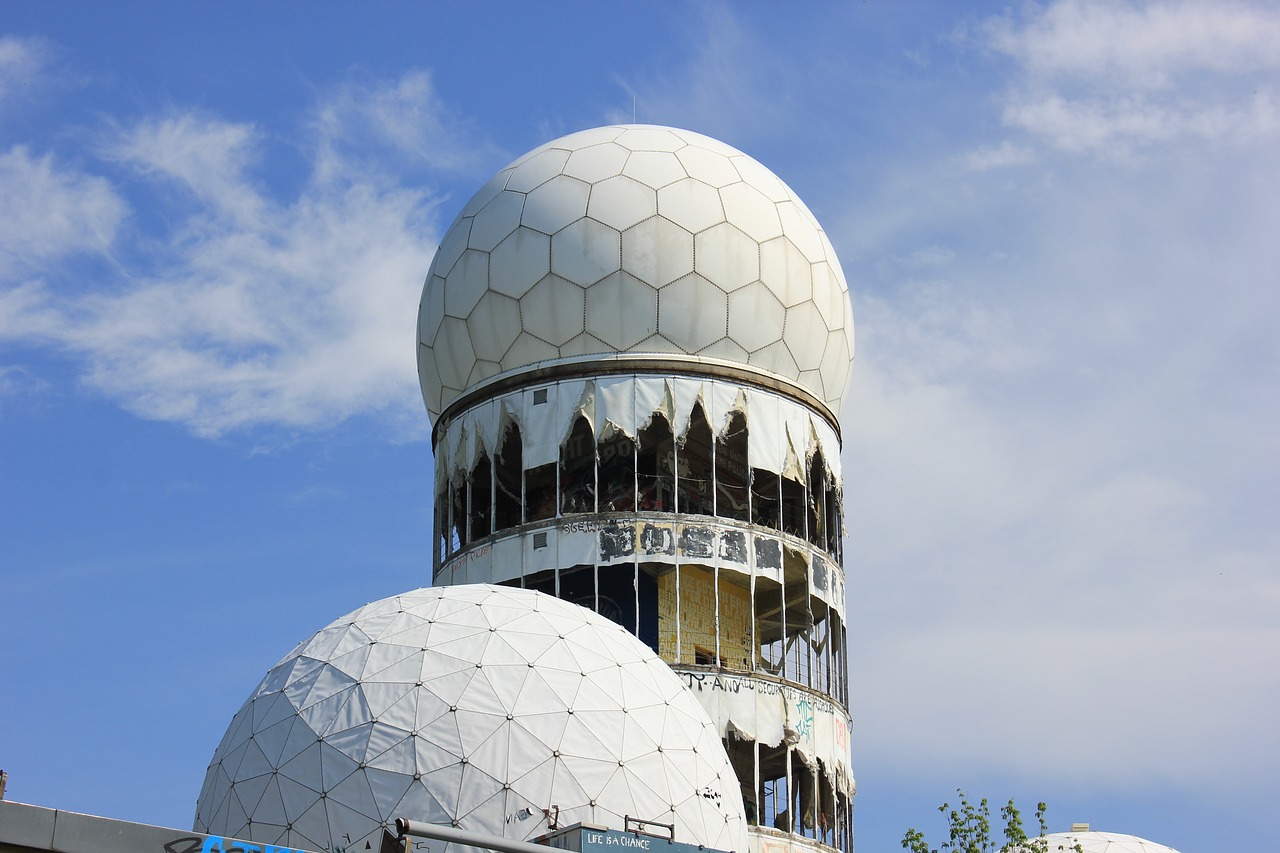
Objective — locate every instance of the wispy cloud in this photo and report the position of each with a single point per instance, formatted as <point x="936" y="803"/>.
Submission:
<point x="22" y="62"/>
<point x="1062" y="408"/>
<point x="1117" y="78"/>
<point x="48" y="211"/>
<point x="249" y="308"/>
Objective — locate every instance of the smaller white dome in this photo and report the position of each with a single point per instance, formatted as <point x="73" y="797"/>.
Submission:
<point x="474" y="706"/>
<point x="1104" y="842"/>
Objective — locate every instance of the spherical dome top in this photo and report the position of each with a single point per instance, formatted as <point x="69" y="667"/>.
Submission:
<point x="634" y="239"/>
<point x="1104" y="842"/>
<point x="473" y="706"/>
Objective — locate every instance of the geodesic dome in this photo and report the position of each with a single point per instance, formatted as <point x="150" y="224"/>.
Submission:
<point x="634" y="239"/>
<point x="473" y="706"/>
<point x="1104" y="842"/>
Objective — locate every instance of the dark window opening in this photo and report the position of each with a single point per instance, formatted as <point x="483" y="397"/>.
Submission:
<point x="540" y="492"/>
<point x="695" y="469"/>
<point x="732" y="490"/>
<point x="442" y="524"/>
<point x="656" y="465"/>
<point x="544" y="581"/>
<point x="792" y="508"/>
<point x="835" y="519"/>
<point x="617" y="473"/>
<point x="507" y="479"/>
<point x="766" y="498"/>
<point x="458" y="511"/>
<point x="482" y="498"/>
<point x="578" y="470"/>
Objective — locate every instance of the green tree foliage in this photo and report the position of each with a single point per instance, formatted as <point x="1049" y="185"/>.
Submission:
<point x="970" y="826"/>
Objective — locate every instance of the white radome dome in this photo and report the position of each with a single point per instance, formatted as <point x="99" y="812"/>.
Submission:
<point x="474" y="706"/>
<point x="1103" y="842"/>
<point x="634" y="239"/>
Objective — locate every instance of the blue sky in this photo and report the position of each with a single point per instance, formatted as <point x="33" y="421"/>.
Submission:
<point x="1058" y="222"/>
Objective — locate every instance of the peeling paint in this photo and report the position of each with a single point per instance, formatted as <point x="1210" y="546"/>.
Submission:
<point x="733" y="546"/>
<point x="768" y="553"/>
<point x="617" y="540"/>
<point x="697" y="542"/>
<point x="657" y="540"/>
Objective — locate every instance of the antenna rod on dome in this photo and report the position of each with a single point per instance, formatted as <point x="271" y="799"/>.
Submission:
<point x="404" y="827"/>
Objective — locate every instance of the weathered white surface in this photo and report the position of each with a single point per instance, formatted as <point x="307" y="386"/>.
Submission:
<point x="1105" y="842"/>
<point x="783" y="435"/>
<point x="634" y="239"/>
<point x="464" y="705"/>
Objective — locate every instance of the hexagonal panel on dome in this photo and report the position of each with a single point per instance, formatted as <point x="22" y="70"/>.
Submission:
<point x="710" y="167"/>
<point x="727" y="256"/>
<point x="648" y="138"/>
<point x="586" y="251"/>
<point x="496" y="220"/>
<point x="786" y="271"/>
<point x="693" y="311"/>
<point x="690" y="204"/>
<point x="494" y="325"/>
<point x="465" y="706"/>
<point x="596" y="162"/>
<point x="455" y="357"/>
<point x="654" y="169"/>
<point x="756" y="317"/>
<point x="621" y="311"/>
<point x="466" y="283"/>
<point x="537" y="170"/>
<point x="834" y="369"/>
<point x="553" y="310"/>
<point x="657" y="251"/>
<point x="621" y="201"/>
<point x="752" y="212"/>
<point x="797" y="227"/>
<point x="528" y="349"/>
<point x="759" y="177"/>
<point x="519" y="262"/>
<point x="805" y="335"/>
<point x="556" y="203"/>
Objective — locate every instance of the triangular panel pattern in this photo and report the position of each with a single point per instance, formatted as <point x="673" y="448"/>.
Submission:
<point x="475" y="706"/>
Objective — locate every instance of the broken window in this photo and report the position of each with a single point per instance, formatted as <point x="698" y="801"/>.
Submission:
<point x="482" y="497"/>
<point x="578" y="470"/>
<point x="617" y="454"/>
<point x="766" y="498"/>
<point x="442" y="524"/>
<point x="656" y="466"/>
<point x="792" y="508"/>
<point x="769" y="624"/>
<point x="732" y="492"/>
<point x="506" y="509"/>
<point x="816" y="502"/>
<point x="540" y="492"/>
<point x="694" y="473"/>
<point x="458" y="511"/>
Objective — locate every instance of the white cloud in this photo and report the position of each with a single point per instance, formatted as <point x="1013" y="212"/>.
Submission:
<point x="21" y="64"/>
<point x="48" y="211"/>
<point x="408" y="117"/>
<point x="1118" y="78"/>
<point x="252" y="309"/>
<point x="1141" y="45"/>
<point x="997" y="156"/>
<point x="207" y="157"/>
<point x="1055" y="470"/>
<point x="727" y="87"/>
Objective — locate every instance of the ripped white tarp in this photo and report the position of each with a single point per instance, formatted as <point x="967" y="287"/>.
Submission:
<point x="769" y="713"/>
<point x="783" y="434"/>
